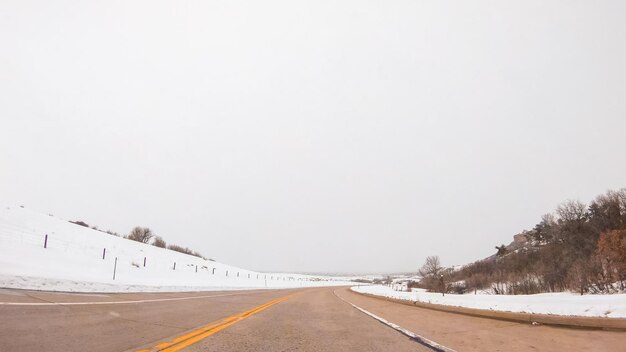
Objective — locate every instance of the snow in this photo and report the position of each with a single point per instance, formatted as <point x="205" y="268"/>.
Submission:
<point x="73" y="262"/>
<point x="562" y="303"/>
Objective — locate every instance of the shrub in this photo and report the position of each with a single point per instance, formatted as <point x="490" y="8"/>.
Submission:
<point x="159" y="242"/>
<point x="81" y="223"/>
<point x="184" y="250"/>
<point x="140" y="234"/>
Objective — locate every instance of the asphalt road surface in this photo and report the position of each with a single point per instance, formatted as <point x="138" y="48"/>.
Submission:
<point x="317" y="319"/>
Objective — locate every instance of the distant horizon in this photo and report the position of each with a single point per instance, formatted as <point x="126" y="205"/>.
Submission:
<point x="304" y="272"/>
<point x="311" y="272"/>
<point x="209" y="257"/>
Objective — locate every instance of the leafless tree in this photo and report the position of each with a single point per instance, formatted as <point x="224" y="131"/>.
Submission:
<point x="432" y="274"/>
<point x="431" y="268"/>
<point x="141" y="234"/>
<point x="572" y="211"/>
<point x="159" y="242"/>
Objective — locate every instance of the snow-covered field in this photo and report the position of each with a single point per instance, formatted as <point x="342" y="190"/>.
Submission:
<point x="73" y="261"/>
<point x="611" y="306"/>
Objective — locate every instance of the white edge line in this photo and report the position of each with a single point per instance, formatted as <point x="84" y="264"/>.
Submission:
<point x="421" y="339"/>
<point x="115" y="302"/>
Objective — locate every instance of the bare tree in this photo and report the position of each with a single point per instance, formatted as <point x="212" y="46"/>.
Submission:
<point x="572" y="211"/>
<point x="432" y="274"/>
<point x="141" y="234"/>
<point x="578" y="276"/>
<point x="431" y="268"/>
<point x="159" y="242"/>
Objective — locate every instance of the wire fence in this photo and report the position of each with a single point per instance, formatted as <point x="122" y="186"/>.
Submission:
<point x="12" y="234"/>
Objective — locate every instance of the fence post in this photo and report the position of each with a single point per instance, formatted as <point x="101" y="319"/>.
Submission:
<point x="45" y="242"/>
<point x="226" y="272"/>
<point x="174" y="266"/>
<point x="213" y="273"/>
<point x="114" y="268"/>
<point x="144" y="262"/>
<point x="196" y="268"/>
<point x="104" y="252"/>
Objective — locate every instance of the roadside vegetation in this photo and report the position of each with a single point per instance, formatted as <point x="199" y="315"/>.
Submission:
<point x="579" y="248"/>
<point x="145" y="235"/>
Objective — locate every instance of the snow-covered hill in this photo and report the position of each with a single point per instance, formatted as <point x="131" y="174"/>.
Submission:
<point x="73" y="261"/>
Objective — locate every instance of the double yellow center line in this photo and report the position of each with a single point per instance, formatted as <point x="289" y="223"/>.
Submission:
<point x="202" y="333"/>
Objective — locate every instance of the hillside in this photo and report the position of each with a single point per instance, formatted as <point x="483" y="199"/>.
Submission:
<point x="80" y="259"/>
<point x="578" y="248"/>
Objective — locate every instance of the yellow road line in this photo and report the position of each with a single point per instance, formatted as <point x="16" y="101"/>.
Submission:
<point x="202" y="333"/>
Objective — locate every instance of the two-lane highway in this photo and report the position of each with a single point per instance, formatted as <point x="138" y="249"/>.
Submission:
<point x="310" y="319"/>
<point x="318" y="319"/>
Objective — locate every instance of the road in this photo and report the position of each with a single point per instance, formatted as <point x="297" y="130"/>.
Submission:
<point x="318" y="319"/>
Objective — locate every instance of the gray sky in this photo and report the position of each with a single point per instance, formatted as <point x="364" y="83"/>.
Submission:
<point x="314" y="135"/>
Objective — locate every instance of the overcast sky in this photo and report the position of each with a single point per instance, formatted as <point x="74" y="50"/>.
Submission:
<point x="317" y="136"/>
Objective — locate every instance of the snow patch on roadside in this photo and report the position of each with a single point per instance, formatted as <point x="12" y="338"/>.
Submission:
<point x="562" y="303"/>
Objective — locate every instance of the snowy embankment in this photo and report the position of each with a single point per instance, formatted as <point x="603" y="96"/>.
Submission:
<point x="73" y="261"/>
<point x="609" y="306"/>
